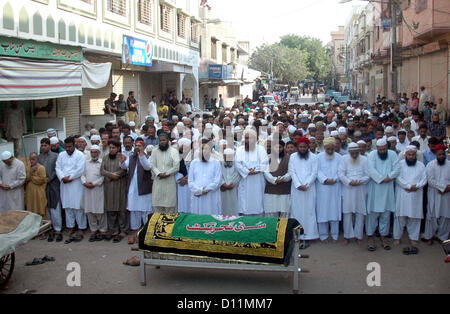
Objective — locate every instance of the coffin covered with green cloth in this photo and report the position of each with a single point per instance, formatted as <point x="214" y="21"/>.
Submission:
<point x="248" y="239"/>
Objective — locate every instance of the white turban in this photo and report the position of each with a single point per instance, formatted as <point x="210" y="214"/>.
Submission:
<point x="184" y="142"/>
<point x="93" y="138"/>
<point x="342" y="130"/>
<point x="411" y="147"/>
<point x="6" y="155"/>
<point x="292" y="129"/>
<point x="180" y="124"/>
<point x="228" y="151"/>
<point x="312" y="126"/>
<point x="54" y="140"/>
<point x="353" y="146"/>
<point x="95" y="147"/>
<point x="381" y="142"/>
<point x="334" y="133"/>
<point x="333" y="124"/>
<point x="361" y="142"/>
<point x="132" y="123"/>
<point x="392" y="138"/>
<point x="389" y="129"/>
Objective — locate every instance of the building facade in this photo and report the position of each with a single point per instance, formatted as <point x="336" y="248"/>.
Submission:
<point x="98" y="27"/>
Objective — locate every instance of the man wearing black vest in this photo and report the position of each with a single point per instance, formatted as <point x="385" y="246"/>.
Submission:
<point x="139" y="187"/>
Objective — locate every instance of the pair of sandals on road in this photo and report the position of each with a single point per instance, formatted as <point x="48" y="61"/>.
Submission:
<point x="52" y="237"/>
<point x="74" y="238"/>
<point x="385" y="243"/>
<point x="39" y="261"/>
<point x="96" y="237"/>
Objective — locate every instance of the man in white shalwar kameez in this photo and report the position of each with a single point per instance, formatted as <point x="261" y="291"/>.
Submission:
<point x="139" y="200"/>
<point x="12" y="179"/>
<point x="70" y="166"/>
<point x="303" y="172"/>
<point x="230" y="182"/>
<point x="438" y="211"/>
<point x="383" y="169"/>
<point x="153" y="109"/>
<point x="183" y="191"/>
<point x="93" y="201"/>
<point x="205" y="177"/>
<point x="251" y="162"/>
<point x="409" y="196"/>
<point x="329" y="205"/>
<point x="354" y="179"/>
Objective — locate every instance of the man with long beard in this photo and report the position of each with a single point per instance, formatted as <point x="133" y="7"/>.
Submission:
<point x="183" y="192"/>
<point x="115" y="185"/>
<point x="383" y="169"/>
<point x="277" y="197"/>
<point x="205" y="177"/>
<point x="251" y="162"/>
<point x="230" y="181"/>
<point x="303" y="171"/>
<point x="354" y="178"/>
<point x="438" y="211"/>
<point x="139" y="187"/>
<point x="165" y="165"/>
<point x="329" y="206"/>
<point x="409" y="197"/>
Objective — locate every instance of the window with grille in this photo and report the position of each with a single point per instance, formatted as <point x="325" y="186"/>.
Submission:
<point x="213" y="49"/>
<point x="165" y="18"/>
<point x="181" y="22"/>
<point x="194" y="32"/>
<point x="117" y="6"/>
<point x="224" y="54"/>
<point x="145" y="12"/>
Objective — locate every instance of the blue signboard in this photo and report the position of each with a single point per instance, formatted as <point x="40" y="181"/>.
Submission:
<point x="136" y="51"/>
<point x="215" y="71"/>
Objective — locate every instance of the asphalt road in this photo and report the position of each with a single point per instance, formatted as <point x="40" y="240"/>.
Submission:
<point x="334" y="268"/>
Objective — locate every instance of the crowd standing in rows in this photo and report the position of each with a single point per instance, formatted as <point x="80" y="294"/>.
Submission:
<point x="379" y="169"/>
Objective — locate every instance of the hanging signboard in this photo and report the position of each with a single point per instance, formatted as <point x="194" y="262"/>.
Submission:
<point x="17" y="47"/>
<point x="136" y="51"/>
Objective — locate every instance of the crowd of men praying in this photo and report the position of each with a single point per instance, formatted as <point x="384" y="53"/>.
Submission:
<point x="355" y="168"/>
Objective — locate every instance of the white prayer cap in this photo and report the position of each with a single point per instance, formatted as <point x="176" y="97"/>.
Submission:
<point x="312" y="126"/>
<point x="174" y="117"/>
<point x="312" y="138"/>
<point x="184" y="142"/>
<point x="245" y="114"/>
<point x="93" y="138"/>
<point x="237" y="129"/>
<point x="353" y="146"/>
<point x="381" y="142"/>
<point x="6" y="155"/>
<point x="54" y="140"/>
<point x="95" y="147"/>
<point x="184" y="118"/>
<point x="411" y="147"/>
<point x="367" y="112"/>
<point x="132" y="123"/>
<point x="389" y="129"/>
<point x="279" y="122"/>
<point x="275" y="109"/>
<point x="180" y="124"/>
<point x="342" y="130"/>
<point x="83" y="139"/>
<point x="334" y="133"/>
<point x="361" y="142"/>
<point x="227" y="111"/>
<point x="149" y="148"/>
<point x="228" y="151"/>
<point x="292" y="129"/>
<point x="51" y="131"/>
<point x="333" y="124"/>
<point x="392" y="138"/>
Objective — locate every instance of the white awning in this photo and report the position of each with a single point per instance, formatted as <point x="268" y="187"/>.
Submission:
<point x="22" y="79"/>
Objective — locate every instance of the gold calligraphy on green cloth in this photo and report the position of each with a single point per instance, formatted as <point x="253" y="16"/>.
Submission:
<point x="16" y="47"/>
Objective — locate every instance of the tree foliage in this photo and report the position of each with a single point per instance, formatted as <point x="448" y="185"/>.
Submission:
<point x="293" y="59"/>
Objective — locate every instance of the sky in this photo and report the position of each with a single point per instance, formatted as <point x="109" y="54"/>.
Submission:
<point x="265" y="21"/>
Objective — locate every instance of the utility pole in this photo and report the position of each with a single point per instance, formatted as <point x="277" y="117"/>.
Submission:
<point x="394" y="49"/>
